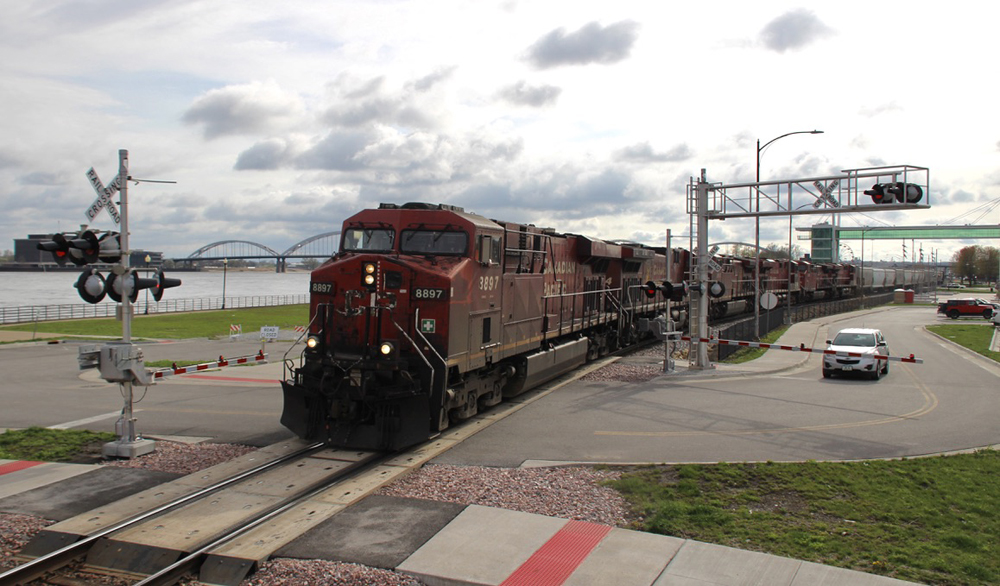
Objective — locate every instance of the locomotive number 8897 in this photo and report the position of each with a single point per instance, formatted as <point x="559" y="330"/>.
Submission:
<point x="428" y="314"/>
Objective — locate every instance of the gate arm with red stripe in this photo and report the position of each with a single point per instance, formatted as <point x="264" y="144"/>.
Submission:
<point x="802" y="348"/>
<point x="220" y="363"/>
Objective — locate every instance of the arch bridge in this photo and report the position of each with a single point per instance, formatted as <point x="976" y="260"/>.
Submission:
<point x="319" y="246"/>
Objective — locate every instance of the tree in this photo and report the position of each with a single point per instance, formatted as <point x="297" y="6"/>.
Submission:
<point x="963" y="264"/>
<point x="987" y="258"/>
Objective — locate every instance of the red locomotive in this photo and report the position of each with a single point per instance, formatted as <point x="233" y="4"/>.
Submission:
<point x="429" y="313"/>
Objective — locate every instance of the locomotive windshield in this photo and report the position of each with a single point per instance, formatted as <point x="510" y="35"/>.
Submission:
<point x="436" y="242"/>
<point x="369" y="239"/>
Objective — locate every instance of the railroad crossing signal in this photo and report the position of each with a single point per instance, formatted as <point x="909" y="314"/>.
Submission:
<point x="83" y="247"/>
<point x="677" y="291"/>
<point x="897" y="192"/>
<point x="103" y="200"/>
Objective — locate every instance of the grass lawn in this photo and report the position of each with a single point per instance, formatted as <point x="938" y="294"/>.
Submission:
<point x="748" y="354"/>
<point x="931" y="520"/>
<point x="974" y="336"/>
<point x="200" y="324"/>
<point x="52" y="445"/>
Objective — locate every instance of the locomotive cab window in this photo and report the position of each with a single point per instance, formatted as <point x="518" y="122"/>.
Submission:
<point x="489" y="249"/>
<point x="368" y="240"/>
<point x="433" y="242"/>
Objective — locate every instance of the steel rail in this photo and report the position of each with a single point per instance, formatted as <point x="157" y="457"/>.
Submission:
<point x="28" y="571"/>
<point x="189" y="563"/>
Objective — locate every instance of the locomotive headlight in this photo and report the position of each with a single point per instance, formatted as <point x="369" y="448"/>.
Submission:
<point x="312" y="341"/>
<point x="386" y="349"/>
<point x="368" y="276"/>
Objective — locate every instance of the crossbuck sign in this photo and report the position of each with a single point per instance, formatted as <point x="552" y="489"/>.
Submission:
<point x="103" y="197"/>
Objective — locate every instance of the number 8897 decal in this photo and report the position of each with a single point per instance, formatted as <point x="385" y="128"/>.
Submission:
<point x="429" y="293"/>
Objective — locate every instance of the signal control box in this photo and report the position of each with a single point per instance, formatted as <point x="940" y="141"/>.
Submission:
<point x="118" y="362"/>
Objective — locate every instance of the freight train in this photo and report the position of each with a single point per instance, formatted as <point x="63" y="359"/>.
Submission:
<point x="429" y="314"/>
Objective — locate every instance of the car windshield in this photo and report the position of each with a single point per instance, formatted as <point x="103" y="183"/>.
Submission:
<point x="854" y="339"/>
<point x="435" y="242"/>
<point x="369" y="239"/>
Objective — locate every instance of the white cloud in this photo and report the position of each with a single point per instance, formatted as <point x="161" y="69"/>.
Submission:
<point x="582" y="116"/>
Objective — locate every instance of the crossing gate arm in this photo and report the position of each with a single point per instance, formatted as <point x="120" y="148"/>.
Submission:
<point x="260" y="357"/>
<point x="802" y="348"/>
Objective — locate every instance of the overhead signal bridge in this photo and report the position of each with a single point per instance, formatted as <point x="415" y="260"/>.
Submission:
<point x="904" y="187"/>
<point x="320" y="246"/>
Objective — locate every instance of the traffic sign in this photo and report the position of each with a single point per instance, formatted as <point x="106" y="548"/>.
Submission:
<point x="103" y="197"/>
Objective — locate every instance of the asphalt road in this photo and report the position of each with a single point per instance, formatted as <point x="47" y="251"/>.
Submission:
<point x="950" y="402"/>
<point x="42" y="385"/>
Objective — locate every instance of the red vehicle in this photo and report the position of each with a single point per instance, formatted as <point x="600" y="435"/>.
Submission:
<point x="429" y="313"/>
<point x="956" y="308"/>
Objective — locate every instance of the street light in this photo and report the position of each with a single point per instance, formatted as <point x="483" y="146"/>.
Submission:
<point x="225" y="265"/>
<point x="756" y="240"/>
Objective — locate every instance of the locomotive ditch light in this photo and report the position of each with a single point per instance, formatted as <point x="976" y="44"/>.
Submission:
<point x="312" y="342"/>
<point x="387" y="349"/>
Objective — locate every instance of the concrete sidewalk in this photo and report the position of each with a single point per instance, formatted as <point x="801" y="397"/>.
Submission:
<point x="508" y="548"/>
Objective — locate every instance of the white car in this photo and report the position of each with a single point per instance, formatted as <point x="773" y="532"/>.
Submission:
<point x="868" y="342"/>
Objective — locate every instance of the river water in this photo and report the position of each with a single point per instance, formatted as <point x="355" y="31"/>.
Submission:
<point x="57" y="288"/>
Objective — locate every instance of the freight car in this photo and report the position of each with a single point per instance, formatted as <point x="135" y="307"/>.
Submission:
<point x="429" y="313"/>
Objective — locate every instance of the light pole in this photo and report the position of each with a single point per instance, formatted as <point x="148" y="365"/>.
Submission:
<point x="756" y="240"/>
<point x="225" y="265"/>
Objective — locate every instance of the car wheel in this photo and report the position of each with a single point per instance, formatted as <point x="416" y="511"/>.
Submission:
<point x="827" y="373"/>
<point x="987" y="313"/>
<point x="885" y="369"/>
<point x="877" y="373"/>
<point x="953" y="314"/>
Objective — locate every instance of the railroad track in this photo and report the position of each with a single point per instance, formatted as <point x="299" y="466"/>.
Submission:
<point x="222" y="522"/>
<point x="165" y="532"/>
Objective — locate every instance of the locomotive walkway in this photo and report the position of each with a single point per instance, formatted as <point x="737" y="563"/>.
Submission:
<point x="449" y="544"/>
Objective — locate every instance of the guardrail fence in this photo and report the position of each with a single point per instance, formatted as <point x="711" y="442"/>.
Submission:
<point x="36" y="313"/>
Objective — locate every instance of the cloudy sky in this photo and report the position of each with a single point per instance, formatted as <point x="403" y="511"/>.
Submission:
<point x="279" y="119"/>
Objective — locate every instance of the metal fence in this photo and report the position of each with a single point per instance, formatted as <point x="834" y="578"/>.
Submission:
<point x="37" y="313"/>
<point x="771" y="320"/>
